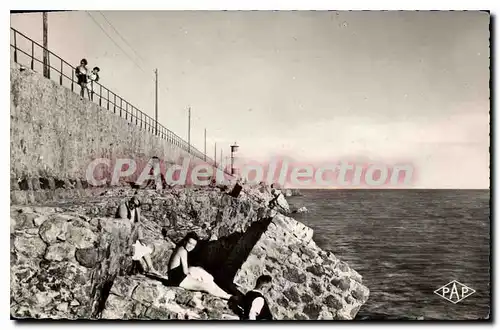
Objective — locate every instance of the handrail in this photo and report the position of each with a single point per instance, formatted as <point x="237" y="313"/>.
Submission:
<point x="104" y="97"/>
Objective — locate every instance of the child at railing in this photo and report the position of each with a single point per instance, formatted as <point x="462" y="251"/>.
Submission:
<point x="93" y="76"/>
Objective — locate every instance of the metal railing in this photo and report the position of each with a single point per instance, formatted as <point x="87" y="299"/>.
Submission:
<point x="64" y="74"/>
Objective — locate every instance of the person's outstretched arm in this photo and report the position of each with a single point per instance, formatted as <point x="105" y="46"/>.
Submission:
<point x="184" y="263"/>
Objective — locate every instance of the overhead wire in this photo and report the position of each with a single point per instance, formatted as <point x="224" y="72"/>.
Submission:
<point x="121" y="37"/>
<point x="127" y="43"/>
<point x="116" y="44"/>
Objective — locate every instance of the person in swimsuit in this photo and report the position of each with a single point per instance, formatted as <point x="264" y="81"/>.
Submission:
<point x="131" y="210"/>
<point x="191" y="278"/>
<point x="81" y="76"/>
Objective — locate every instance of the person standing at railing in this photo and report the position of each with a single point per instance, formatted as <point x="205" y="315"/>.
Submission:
<point x="93" y="76"/>
<point x="81" y="76"/>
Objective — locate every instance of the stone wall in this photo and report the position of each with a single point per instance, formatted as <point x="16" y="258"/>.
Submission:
<point x="55" y="135"/>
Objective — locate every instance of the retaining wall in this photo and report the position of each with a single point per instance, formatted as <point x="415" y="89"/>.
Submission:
<point x="55" y="135"/>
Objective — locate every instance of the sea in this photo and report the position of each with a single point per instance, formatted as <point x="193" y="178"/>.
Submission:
<point x="406" y="244"/>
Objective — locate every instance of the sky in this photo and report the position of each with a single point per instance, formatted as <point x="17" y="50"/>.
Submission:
<point x="316" y="86"/>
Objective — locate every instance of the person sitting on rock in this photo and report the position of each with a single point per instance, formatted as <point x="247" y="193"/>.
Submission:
<point x="273" y="203"/>
<point x="255" y="306"/>
<point x="131" y="210"/>
<point x="158" y="181"/>
<point x="191" y="278"/>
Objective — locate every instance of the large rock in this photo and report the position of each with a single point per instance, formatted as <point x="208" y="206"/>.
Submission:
<point x="29" y="245"/>
<point x="138" y="297"/>
<point x="75" y="261"/>
<point x="308" y="283"/>
<point x="80" y="234"/>
<point x="283" y="204"/>
<point x="85" y="238"/>
<point x="60" y="266"/>
<point x="54" y="229"/>
<point x="52" y="284"/>
<point x="60" y="252"/>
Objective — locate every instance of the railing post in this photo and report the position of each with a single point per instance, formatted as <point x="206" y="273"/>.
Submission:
<point x="114" y="103"/>
<point x="108" y="100"/>
<point x="15" y="46"/>
<point x="121" y="106"/>
<point x="61" y="77"/>
<point x="32" y="55"/>
<point x="72" y="79"/>
<point x="100" y="94"/>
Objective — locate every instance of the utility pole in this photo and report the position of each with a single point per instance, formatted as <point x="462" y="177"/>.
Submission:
<point x="189" y="129"/>
<point x="156" y="101"/>
<point x="220" y="163"/>
<point x="215" y="155"/>
<point x="234" y="148"/>
<point x="205" y="147"/>
<point x="46" y="70"/>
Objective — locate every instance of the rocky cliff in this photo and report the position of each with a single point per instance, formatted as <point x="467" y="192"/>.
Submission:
<point x="72" y="259"/>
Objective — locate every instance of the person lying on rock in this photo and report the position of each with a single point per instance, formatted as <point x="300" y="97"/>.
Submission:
<point x="191" y="278"/>
<point x="131" y="210"/>
<point x="255" y="306"/>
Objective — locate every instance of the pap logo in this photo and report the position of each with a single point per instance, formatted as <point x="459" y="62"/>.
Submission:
<point x="454" y="291"/>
